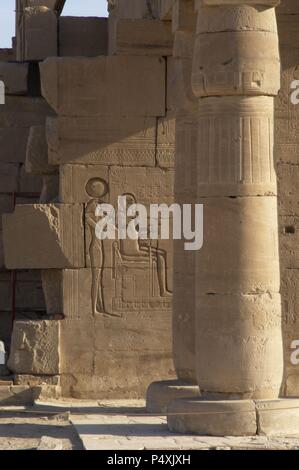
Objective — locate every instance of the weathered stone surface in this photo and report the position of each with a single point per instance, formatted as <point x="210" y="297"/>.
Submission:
<point x="214" y="71"/>
<point x="15" y="396"/>
<point x="7" y="55"/>
<point x="29" y="295"/>
<point x="8" y="177"/>
<point x="37" y="33"/>
<point x="51" y="237"/>
<point x="140" y="92"/>
<point x="286" y="113"/>
<point x="13" y="143"/>
<point x="112" y="140"/>
<point x="160" y="394"/>
<point x="35" y="348"/>
<point x="29" y="183"/>
<point x="251" y="365"/>
<point x="50" y="189"/>
<point x="289" y="241"/>
<point x="37" y="152"/>
<point x="6" y="205"/>
<point x="74" y="180"/>
<point x="278" y="417"/>
<point x="81" y="36"/>
<point x="166" y="141"/>
<point x="288" y="184"/>
<point x="34" y="380"/>
<point x="23" y="112"/>
<point x="250" y="264"/>
<point x="183" y="16"/>
<point x="50" y="444"/>
<point x="206" y="418"/>
<point x="15" y="77"/>
<point x="142" y="37"/>
<point x="124" y="344"/>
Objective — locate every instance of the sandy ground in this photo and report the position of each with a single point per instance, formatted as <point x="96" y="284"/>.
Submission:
<point x="24" y="430"/>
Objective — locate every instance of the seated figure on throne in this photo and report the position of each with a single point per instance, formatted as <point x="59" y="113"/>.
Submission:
<point x="139" y="250"/>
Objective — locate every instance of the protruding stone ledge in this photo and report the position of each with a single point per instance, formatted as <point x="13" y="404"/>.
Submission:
<point x="44" y="236"/>
<point x="105" y="86"/>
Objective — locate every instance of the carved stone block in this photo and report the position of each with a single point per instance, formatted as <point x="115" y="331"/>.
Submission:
<point x="113" y="140"/>
<point x="116" y="85"/>
<point x="43" y="236"/>
<point x="35" y="348"/>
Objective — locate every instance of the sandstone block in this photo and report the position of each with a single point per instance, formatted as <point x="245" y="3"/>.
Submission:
<point x="183" y="16"/>
<point x="86" y="37"/>
<point x="28" y="296"/>
<point x="51" y="237"/>
<point x="74" y="180"/>
<point x="288" y="31"/>
<point x="148" y="185"/>
<point x="288" y="7"/>
<point x="289" y="241"/>
<point x="140" y="92"/>
<point x="8" y="177"/>
<point x="288" y="186"/>
<point x="91" y="293"/>
<point x="241" y="335"/>
<point x="35" y="348"/>
<point x="7" y="55"/>
<point x="16" y="396"/>
<point x="23" y="112"/>
<point x="286" y="113"/>
<point x="166" y="141"/>
<point x="39" y="29"/>
<point x="142" y="37"/>
<point x="278" y="417"/>
<point x="6" y="205"/>
<point x="159" y="395"/>
<point x="50" y="189"/>
<point x="13" y="143"/>
<point x="132" y="373"/>
<point x="110" y="141"/>
<point x="210" y="418"/>
<point x="29" y="183"/>
<point x="37" y="152"/>
<point x="15" y="77"/>
<point x="239" y="262"/>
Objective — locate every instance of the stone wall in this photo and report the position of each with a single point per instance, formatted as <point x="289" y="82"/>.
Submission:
<point x="106" y="330"/>
<point x="287" y="161"/>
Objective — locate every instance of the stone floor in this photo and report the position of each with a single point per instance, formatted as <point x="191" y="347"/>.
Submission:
<point x="125" y="425"/>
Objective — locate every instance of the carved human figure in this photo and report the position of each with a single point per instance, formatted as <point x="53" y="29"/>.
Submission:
<point x="97" y="189"/>
<point x="142" y="250"/>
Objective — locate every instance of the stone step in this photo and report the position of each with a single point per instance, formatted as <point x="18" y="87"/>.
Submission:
<point x="6" y="383"/>
<point x="16" y="395"/>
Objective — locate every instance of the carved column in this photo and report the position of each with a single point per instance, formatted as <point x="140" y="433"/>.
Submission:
<point x="160" y="394"/>
<point x="239" y="356"/>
